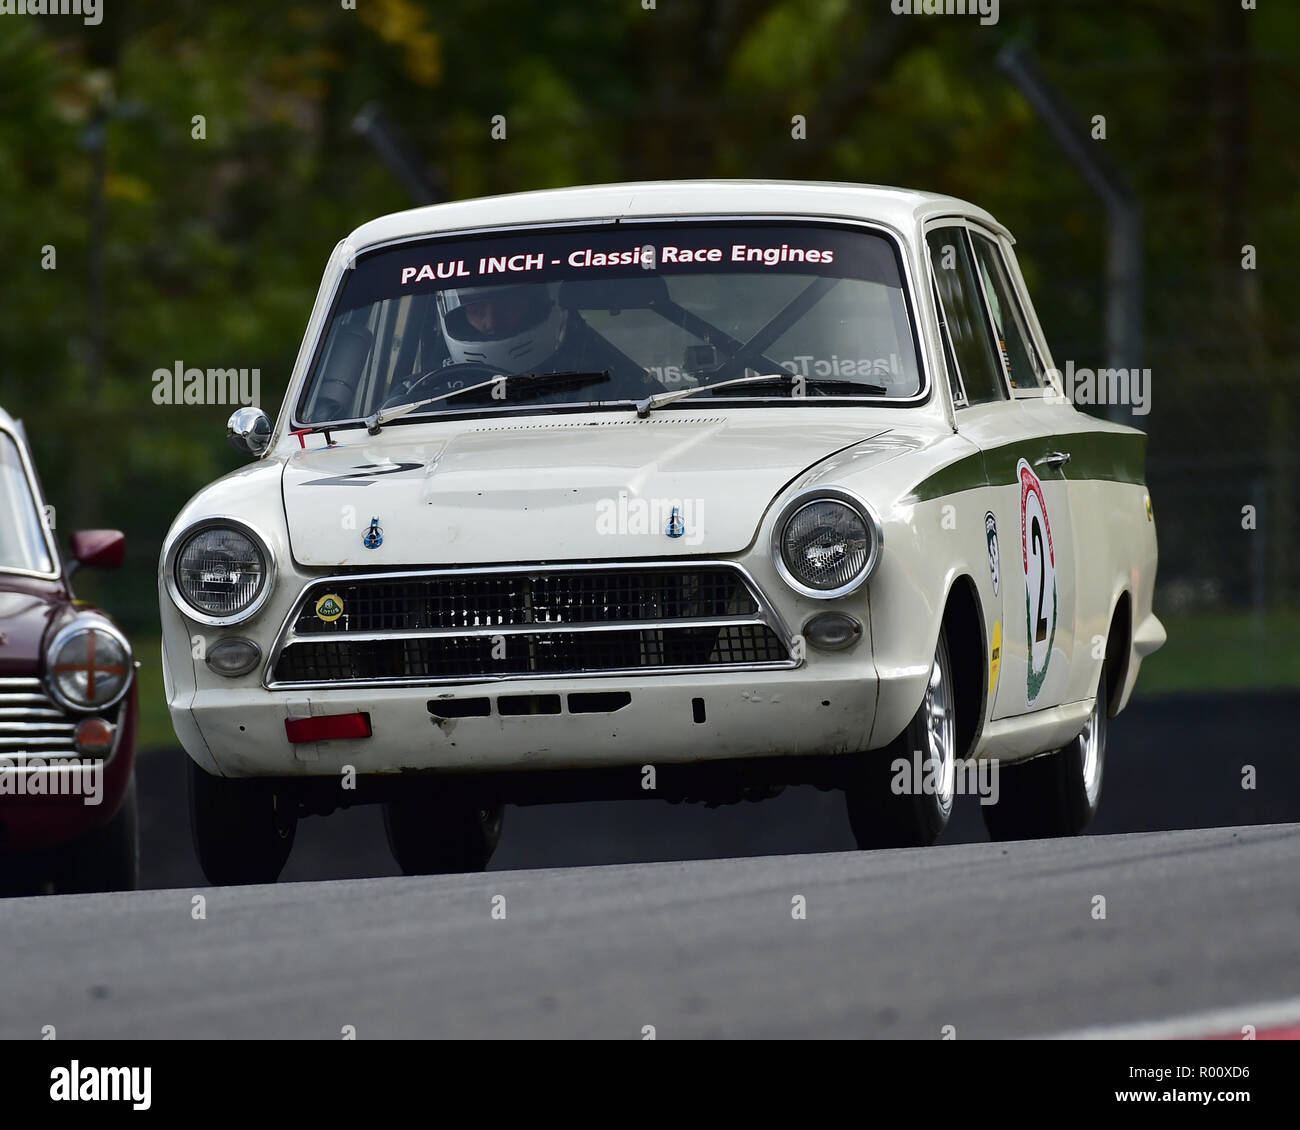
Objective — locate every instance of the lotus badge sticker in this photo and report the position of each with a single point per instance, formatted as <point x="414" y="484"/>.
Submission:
<point x="676" y="527"/>
<point x="329" y="608"/>
<point x="374" y="536"/>
<point x="991" y="536"/>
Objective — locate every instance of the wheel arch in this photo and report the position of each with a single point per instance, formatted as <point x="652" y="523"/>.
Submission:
<point x="1119" y="649"/>
<point x="963" y="621"/>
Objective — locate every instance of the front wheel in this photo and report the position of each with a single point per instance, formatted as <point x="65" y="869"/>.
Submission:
<point x="107" y="859"/>
<point x="442" y="835"/>
<point x="1056" y="794"/>
<point x="243" y="829"/>
<point x="902" y="796"/>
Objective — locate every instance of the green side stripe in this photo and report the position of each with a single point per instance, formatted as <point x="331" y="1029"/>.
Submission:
<point x="965" y="474"/>
<point x="1117" y="457"/>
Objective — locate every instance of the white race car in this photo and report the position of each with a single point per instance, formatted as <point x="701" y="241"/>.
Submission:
<point x="679" y="490"/>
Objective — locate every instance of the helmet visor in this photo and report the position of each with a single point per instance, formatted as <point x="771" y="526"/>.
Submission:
<point x="494" y="313"/>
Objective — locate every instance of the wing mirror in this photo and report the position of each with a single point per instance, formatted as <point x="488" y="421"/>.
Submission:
<point x="100" y="549"/>
<point x="249" y="431"/>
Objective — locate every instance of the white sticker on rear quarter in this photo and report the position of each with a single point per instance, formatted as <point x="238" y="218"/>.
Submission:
<point x="1038" y="558"/>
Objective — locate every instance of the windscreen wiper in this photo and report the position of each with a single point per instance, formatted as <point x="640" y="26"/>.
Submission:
<point x="535" y="381"/>
<point x="858" y="388"/>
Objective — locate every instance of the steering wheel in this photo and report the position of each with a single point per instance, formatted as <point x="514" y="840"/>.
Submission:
<point x="472" y="372"/>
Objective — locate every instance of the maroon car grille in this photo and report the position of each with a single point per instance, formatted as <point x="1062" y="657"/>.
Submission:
<point x="31" y="723"/>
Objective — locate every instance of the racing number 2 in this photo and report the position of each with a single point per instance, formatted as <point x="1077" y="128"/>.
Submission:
<point x="1036" y="551"/>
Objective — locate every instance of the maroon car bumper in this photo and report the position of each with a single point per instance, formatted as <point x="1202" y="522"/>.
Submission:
<point x="28" y="822"/>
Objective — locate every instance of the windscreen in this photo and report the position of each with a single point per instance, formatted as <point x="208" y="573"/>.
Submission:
<point x="22" y="538"/>
<point x="612" y="314"/>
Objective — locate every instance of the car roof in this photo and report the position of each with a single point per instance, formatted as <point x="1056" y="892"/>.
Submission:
<point x="900" y="208"/>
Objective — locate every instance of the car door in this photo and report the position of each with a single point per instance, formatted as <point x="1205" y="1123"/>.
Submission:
<point x="1001" y="407"/>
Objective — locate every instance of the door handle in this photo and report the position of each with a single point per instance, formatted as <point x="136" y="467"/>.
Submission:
<point x="1053" y="459"/>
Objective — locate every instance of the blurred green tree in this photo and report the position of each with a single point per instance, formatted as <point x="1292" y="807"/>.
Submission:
<point x="208" y="249"/>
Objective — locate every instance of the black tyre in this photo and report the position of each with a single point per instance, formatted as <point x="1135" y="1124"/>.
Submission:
<point x="879" y="813"/>
<point x="1056" y="794"/>
<point x="243" y="829"/>
<point x="27" y="873"/>
<point x="107" y="859"/>
<point x="442" y="835"/>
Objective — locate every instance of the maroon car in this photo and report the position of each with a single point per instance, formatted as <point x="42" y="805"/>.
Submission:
<point x="67" y="703"/>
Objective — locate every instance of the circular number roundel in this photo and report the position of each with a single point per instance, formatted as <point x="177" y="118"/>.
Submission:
<point x="1038" y="558"/>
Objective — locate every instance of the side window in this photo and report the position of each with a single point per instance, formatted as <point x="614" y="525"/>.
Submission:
<point x="950" y="362"/>
<point x="1019" y="357"/>
<point x="964" y="315"/>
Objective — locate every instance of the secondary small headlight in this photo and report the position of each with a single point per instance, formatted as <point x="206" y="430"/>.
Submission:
<point x="826" y="543"/>
<point x="233" y="657"/>
<point x="221" y="571"/>
<point x="832" y="631"/>
<point x="88" y="666"/>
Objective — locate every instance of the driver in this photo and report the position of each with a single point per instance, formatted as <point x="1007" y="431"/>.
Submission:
<point x="522" y="328"/>
<point x="511" y="329"/>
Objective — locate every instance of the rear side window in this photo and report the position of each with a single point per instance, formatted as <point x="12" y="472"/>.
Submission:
<point x="1019" y="357"/>
<point x="964" y="314"/>
<point x="949" y="361"/>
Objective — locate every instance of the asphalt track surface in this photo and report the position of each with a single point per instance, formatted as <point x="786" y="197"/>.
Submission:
<point x="1200" y="934"/>
<point x="995" y="940"/>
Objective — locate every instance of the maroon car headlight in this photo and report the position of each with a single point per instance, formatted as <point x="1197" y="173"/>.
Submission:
<point x="88" y="666"/>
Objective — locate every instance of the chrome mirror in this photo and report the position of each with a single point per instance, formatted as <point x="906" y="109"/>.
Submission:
<point x="249" y="431"/>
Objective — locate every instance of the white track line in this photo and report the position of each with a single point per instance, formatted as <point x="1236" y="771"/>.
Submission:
<point x="1218" y="1022"/>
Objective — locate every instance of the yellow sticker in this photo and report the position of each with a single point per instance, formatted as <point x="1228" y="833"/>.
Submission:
<point x="329" y="608"/>
<point x="1150" y="517"/>
<point x="995" y="657"/>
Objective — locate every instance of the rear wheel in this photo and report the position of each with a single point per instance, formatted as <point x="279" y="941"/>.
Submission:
<point x="107" y="859"/>
<point x="442" y="835"/>
<point x="243" y="829"/>
<point x="910" y="809"/>
<point x="26" y="873"/>
<point x="1057" y="794"/>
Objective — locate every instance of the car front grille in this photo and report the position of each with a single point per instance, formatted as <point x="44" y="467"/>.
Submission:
<point x="514" y="599"/>
<point x="465" y="625"/>
<point x="31" y="723"/>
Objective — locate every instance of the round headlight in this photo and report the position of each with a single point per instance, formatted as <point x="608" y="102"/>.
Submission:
<point x="222" y="573"/>
<point x="88" y="667"/>
<point x="827" y="544"/>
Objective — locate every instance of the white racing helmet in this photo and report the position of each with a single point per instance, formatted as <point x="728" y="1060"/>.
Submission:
<point x="529" y="328"/>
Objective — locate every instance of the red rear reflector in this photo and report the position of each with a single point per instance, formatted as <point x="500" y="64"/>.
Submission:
<point x="326" y="726"/>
